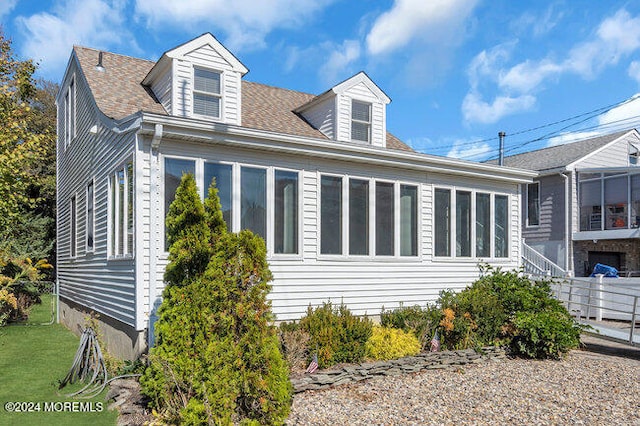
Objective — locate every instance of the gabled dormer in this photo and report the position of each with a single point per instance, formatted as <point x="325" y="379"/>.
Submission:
<point x="199" y="79"/>
<point x="352" y="111"/>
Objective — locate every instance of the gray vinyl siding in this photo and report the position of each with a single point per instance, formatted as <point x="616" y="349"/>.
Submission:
<point x="365" y="284"/>
<point x="612" y="155"/>
<point x="89" y="279"/>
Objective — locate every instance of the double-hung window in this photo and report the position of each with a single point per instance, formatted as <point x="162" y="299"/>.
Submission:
<point x="121" y="193"/>
<point x="207" y="94"/>
<point x="358" y="217"/>
<point x="253" y="200"/>
<point x="360" y="121"/>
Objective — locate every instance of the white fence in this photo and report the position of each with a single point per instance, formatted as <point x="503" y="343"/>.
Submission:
<point x="535" y="263"/>
<point x="602" y="299"/>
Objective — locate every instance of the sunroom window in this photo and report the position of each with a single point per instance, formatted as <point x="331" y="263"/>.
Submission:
<point x="207" y="97"/>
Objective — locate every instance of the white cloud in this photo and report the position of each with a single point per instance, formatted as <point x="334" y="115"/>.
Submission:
<point x="571" y="137"/>
<point x="339" y="60"/>
<point x="622" y="117"/>
<point x="486" y="65"/>
<point x="536" y="25"/>
<point x="616" y="37"/>
<point x="432" y="22"/>
<point x="50" y="36"/>
<point x="469" y="150"/>
<point x="634" y="71"/>
<point x="6" y="6"/>
<point x="245" y="23"/>
<point x="527" y="76"/>
<point x="476" y="110"/>
<point x="626" y="115"/>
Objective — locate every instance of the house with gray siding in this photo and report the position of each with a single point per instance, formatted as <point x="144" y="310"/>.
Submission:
<point x="348" y="212"/>
<point x="583" y="207"/>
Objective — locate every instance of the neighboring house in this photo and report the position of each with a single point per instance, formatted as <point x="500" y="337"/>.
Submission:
<point x="349" y="213"/>
<point x="584" y="206"/>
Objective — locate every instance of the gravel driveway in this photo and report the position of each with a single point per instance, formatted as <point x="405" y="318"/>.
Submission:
<point x="586" y="388"/>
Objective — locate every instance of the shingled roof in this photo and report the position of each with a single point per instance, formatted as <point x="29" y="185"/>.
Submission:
<point x="555" y="157"/>
<point x="119" y="93"/>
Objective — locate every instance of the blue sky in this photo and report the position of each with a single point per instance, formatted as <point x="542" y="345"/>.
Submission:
<point x="457" y="71"/>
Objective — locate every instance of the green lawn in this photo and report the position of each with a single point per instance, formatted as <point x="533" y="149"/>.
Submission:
<point x="33" y="358"/>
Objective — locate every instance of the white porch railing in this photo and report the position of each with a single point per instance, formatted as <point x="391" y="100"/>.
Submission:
<point x="535" y="263"/>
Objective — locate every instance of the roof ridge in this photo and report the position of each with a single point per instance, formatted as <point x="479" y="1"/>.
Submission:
<point x="113" y="53"/>
<point x="277" y="87"/>
<point x="546" y="148"/>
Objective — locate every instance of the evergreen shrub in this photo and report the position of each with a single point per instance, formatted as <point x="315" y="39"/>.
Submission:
<point x="217" y="358"/>
<point x="336" y="334"/>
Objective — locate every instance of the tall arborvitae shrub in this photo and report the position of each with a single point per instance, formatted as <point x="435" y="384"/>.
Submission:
<point x="217" y="359"/>
<point x="188" y="235"/>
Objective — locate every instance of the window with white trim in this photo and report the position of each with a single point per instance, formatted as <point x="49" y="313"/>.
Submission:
<point x="501" y="226"/>
<point x="330" y="215"/>
<point x="442" y="222"/>
<point x="533" y="204"/>
<point x="408" y="220"/>
<point x="223" y="174"/>
<point x="174" y="168"/>
<point x="121" y="221"/>
<point x="470" y="224"/>
<point x="286" y="212"/>
<point x="385" y="235"/>
<point x="378" y="217"/>
<point x="253" y="200"/>
<point x="73" y="227"/>
<point x="207" y="92"/>
<point x="90" y="217"/>
<point x="360" y="121"/>
<point x="70" y="112"/>
<point x="358" y="217"/>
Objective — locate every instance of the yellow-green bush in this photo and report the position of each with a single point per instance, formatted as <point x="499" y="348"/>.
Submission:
<point x="389" y="343"/>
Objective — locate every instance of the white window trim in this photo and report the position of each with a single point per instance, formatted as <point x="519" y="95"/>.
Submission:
<point x="91" y="249"/>
<point x="70" y="108"/>
<point x="453" y="228"/>
<point x="236" y="200"/>
<point x="73" y="226"/>
<point x="218" y="95"/>
<point x="372" y="256"/>
<point x="368" y="123"/>
<point x="122" y="221"/>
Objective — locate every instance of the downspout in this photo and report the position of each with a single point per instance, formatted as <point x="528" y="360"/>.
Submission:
<point x="153" y="255"/>
<point x="567" y="230"/>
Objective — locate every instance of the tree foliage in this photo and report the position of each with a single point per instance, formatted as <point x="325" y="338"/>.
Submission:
<point x="217" y="358"/>
<point x="27" y="159"/>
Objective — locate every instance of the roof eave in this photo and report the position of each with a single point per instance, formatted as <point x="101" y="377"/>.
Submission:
<point x="207" y="132"/>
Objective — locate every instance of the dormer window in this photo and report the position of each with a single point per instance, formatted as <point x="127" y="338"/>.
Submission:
<point x="207" y="96"/>
<point x="360" y="121"/>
